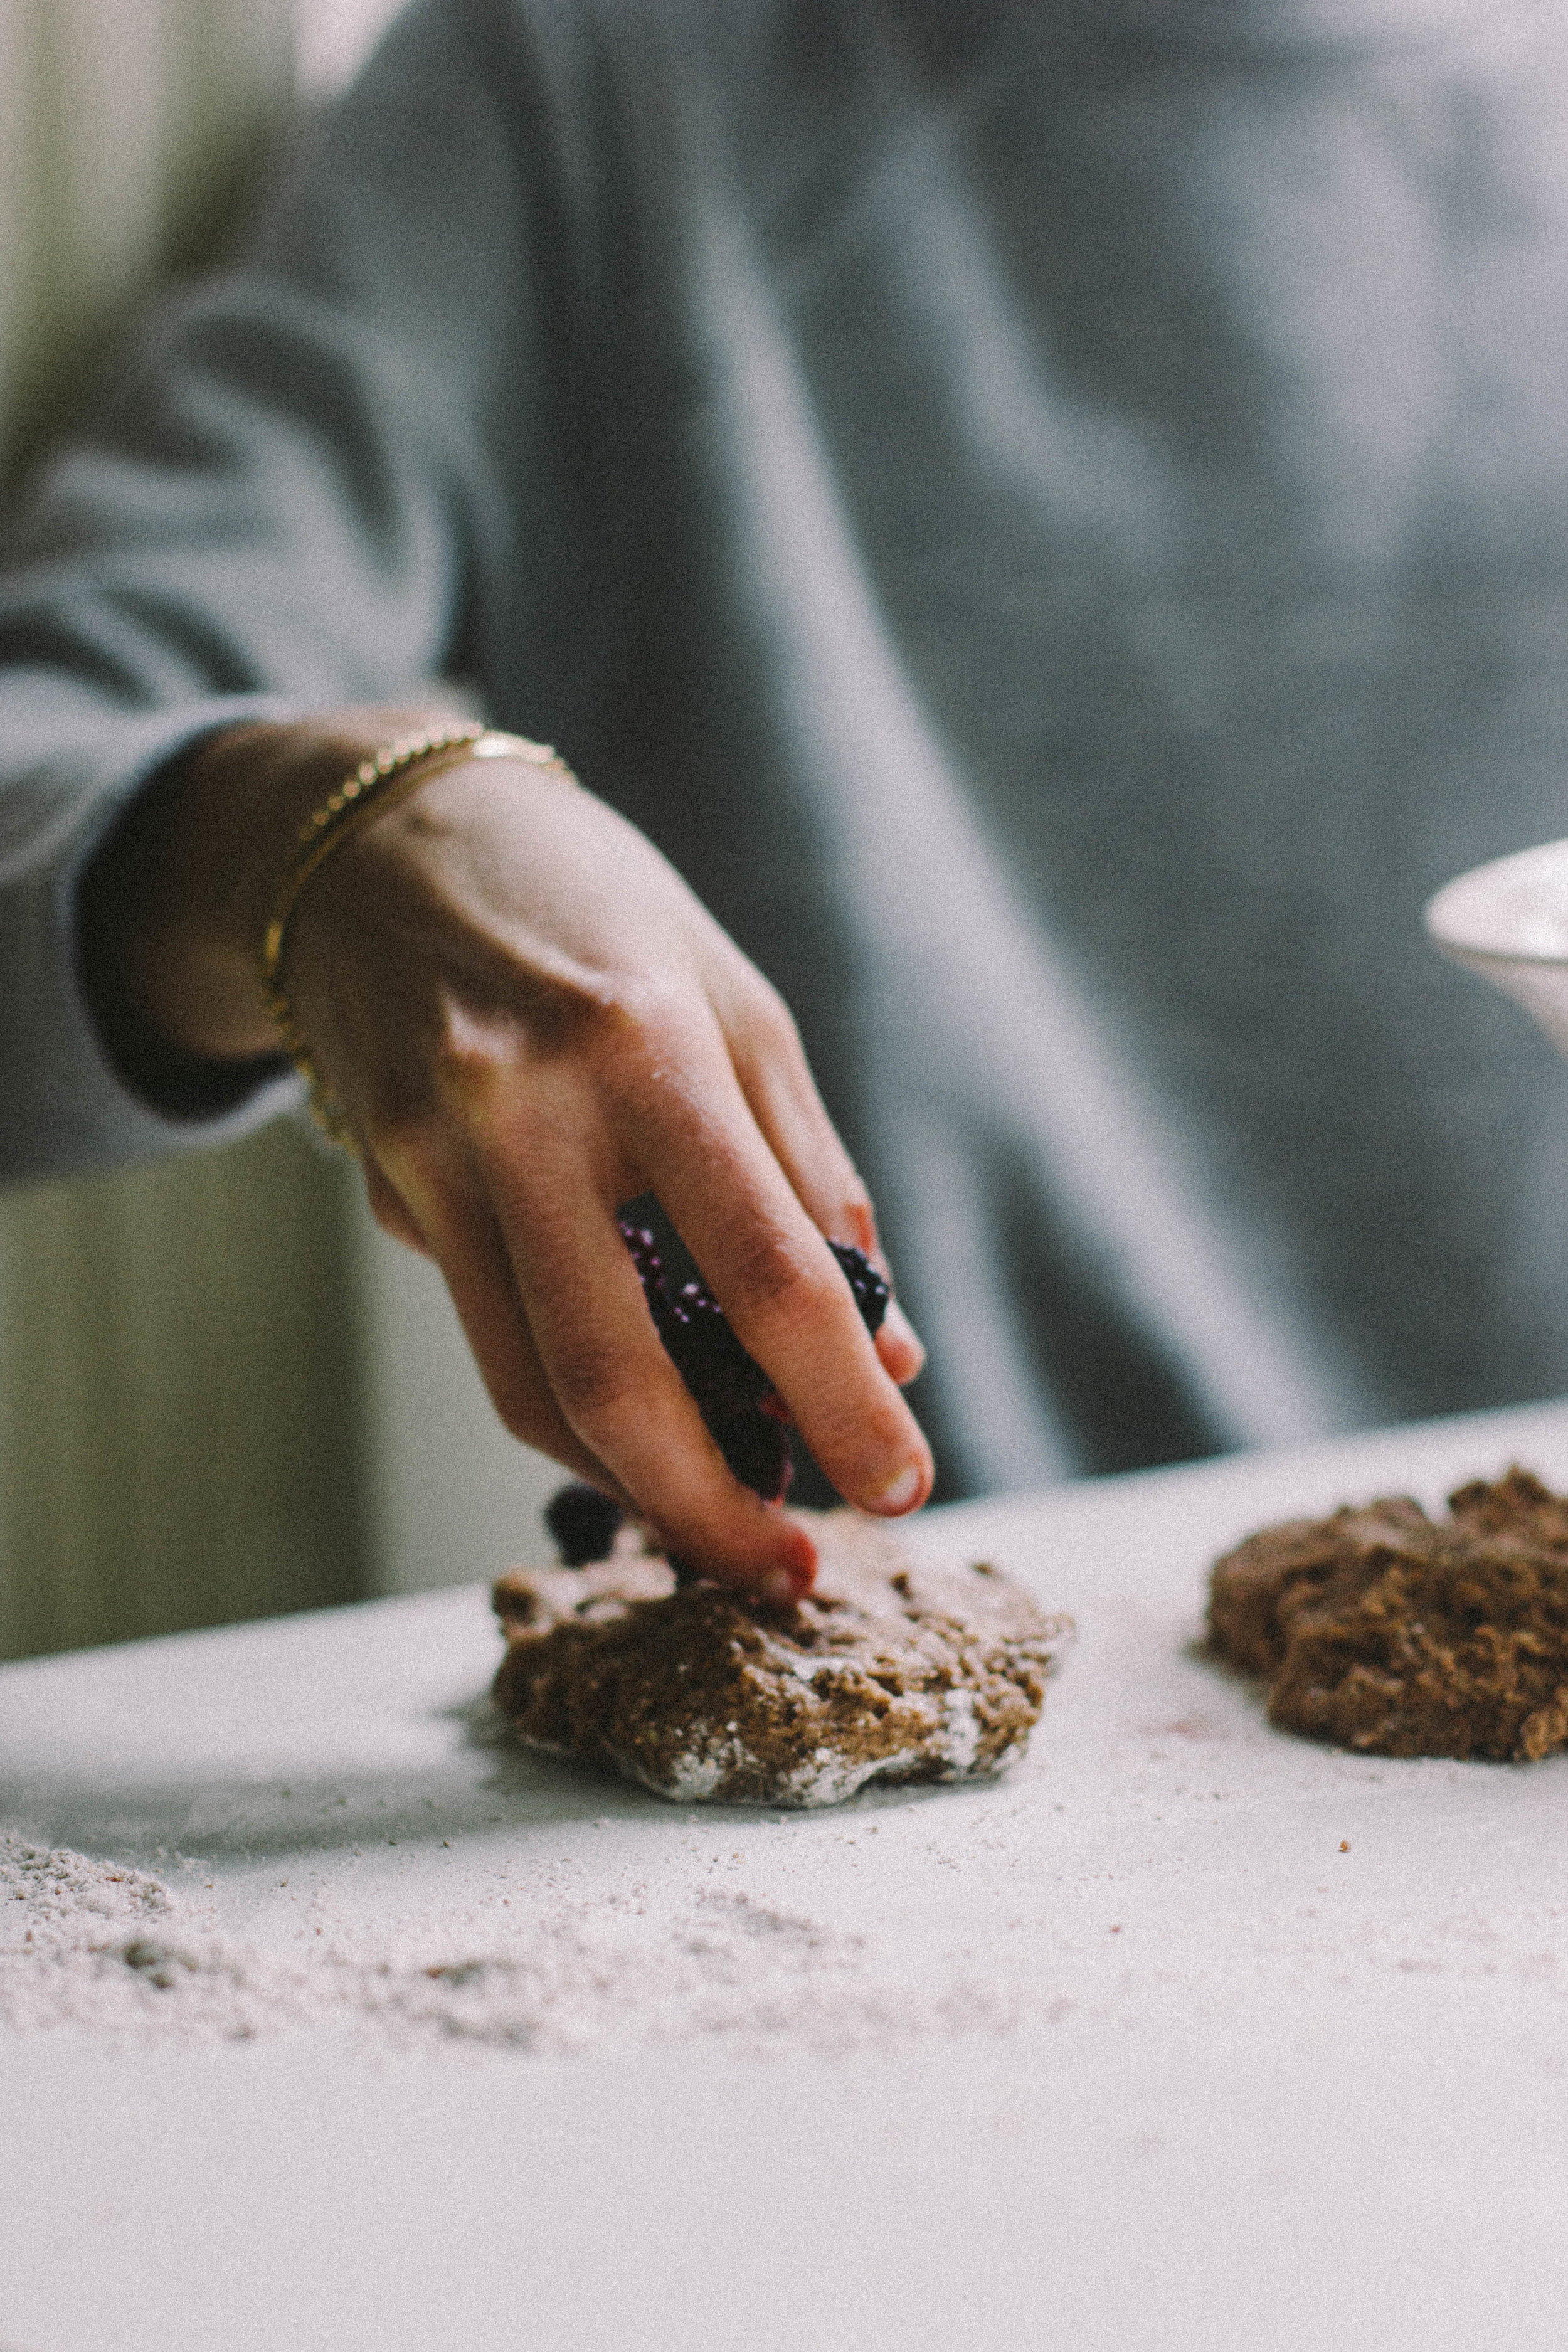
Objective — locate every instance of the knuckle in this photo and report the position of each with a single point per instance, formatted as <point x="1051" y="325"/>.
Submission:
<point x="638" y="1015"/>
<point x="617" y="1023"/>
<point x="561" y="1010"/>
<point x="466" y="1064"/>
<point x="768" y="1280"/>
<point x="589" y="1379"/>
<point x="765" y="1041"/>
<point x="773" y="1022"/>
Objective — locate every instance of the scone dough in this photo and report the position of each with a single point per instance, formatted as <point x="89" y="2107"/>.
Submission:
<point x="889" y="1671"/>
<point x="1401" y="1635"/>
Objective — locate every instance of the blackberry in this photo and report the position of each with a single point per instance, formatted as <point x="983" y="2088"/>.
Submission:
<point x="734" y="1393"/>
<point x="756" y="1448"/>
<point x="584" y="1523"/>
<point x="871" y="1293"/>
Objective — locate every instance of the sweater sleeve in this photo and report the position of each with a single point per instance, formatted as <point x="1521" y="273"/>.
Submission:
<point x="274" y="506"/>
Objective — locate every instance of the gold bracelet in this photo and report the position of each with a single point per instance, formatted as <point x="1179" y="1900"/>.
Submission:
<point x="375" y="785"/>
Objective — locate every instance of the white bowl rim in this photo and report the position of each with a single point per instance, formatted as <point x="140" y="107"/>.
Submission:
<point x="1522" y="865"/>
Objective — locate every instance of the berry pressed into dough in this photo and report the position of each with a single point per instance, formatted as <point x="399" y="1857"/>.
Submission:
<point x="887" y="1671"/>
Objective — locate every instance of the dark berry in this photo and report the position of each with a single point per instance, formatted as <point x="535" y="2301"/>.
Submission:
<point x="584" y="1523"/>
<point x="726" y="1381"/>
<point x="756" y="1448"/>
<point x="871" y="1292"/>
<point x="731" y="1390"/>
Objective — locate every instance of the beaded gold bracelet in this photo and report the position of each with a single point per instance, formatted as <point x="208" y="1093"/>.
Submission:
<point x="378" y="784"/>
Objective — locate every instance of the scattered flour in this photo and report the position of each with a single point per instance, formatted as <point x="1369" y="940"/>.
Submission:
<point x="112" y="1951"/>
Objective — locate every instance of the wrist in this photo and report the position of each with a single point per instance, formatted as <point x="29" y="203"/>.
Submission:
<point x="174" y="907"/>
<point x="375" y="789"/>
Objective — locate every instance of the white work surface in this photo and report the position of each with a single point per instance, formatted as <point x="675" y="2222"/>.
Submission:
<point x="1122" y="2054"/>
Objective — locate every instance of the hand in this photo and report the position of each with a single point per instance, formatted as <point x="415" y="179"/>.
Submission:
<point x="528" y="1019"/>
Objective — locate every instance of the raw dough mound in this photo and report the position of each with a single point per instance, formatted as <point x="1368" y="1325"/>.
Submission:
<point x="1387" y="1631"/>
<point x="887" y="1671"/>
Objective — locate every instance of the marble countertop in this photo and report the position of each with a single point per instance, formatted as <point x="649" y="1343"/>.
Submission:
<point x="1186" y="2034"/>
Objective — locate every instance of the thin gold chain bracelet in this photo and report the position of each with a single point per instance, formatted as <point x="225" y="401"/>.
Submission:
<point x="375" y="785"/>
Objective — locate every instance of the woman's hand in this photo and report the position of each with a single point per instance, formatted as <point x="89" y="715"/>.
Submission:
<point x="526" y="1019"/>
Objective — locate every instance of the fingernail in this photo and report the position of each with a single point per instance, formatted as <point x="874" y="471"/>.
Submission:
<point x="785" y="1585"/>
<point x="901" y="1492"/>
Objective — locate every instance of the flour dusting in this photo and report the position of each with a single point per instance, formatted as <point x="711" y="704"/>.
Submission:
<point x="91" y="1946"/>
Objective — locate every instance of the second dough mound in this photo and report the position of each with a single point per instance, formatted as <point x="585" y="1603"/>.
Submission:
<point x="1401" y="1635"/>
<point x="887" y="1671"/>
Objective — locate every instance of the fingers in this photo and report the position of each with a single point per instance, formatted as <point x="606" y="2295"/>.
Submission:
<point x="389" y="1209"/>
<point x="775" y="1079"/>
<point x="764" y="1254"/>
<point x="900" y="1346"/>
<point x="611" y="1378"/>
<point x="529" y="1028"/>
<point x="453" y="1222"/>
<point x="781" y="1093"/>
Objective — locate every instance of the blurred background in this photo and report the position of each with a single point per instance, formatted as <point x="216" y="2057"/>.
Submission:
<point x="223" y="1393"/>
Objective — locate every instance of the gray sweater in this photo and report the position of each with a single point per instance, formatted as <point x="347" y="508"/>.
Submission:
<point x="1054" y="516"/>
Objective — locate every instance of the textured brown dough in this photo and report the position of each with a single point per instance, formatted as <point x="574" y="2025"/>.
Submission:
<point x="1401" y="1635"/>
<point x="887" y="1671"/>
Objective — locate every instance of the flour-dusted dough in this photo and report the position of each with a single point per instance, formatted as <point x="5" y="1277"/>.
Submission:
<point x="889" y="1671"/>
<point x="1401" y="1635"/>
